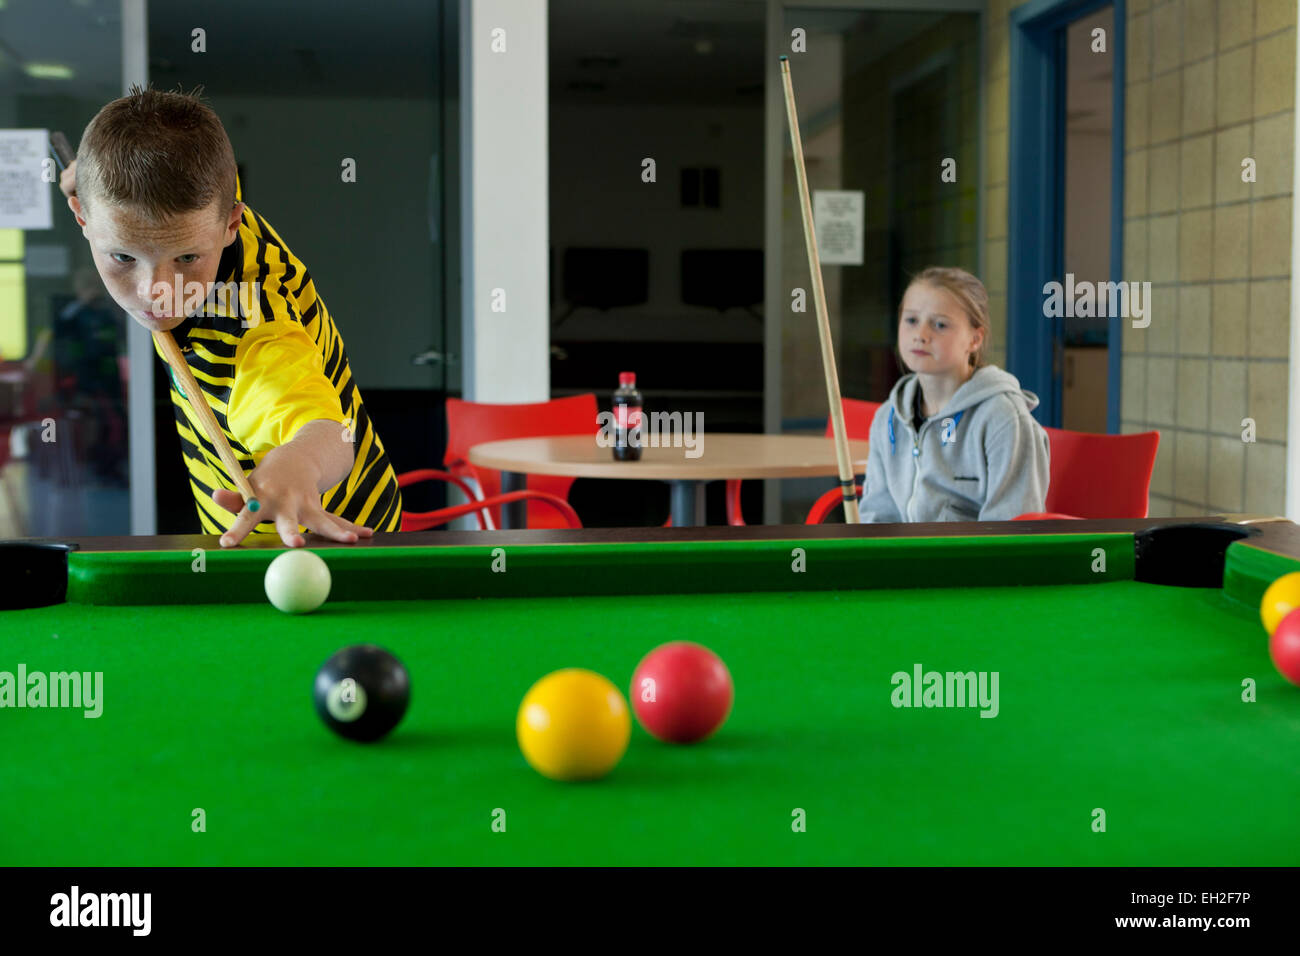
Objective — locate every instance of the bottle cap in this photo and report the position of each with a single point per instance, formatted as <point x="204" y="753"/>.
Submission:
<point x="627" y="379"/>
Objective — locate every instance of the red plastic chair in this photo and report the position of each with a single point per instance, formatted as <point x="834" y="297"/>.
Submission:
<point x="472" y="423"/>
<point x="423" y="520"/>
<point x="858" y="416"/>
<point x="1098" y="476"/>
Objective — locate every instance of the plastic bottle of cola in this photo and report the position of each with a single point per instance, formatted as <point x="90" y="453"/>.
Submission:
<point x="627" y="419"/>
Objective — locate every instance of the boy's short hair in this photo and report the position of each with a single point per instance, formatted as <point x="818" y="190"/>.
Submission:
<point x="162" y="154"/>
<point x="968" y="291"/>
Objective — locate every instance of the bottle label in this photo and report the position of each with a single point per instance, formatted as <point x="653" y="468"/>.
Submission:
<point x="627" y="417"/>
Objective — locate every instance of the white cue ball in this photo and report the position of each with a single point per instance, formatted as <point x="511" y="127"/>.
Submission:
<point x="298" y="581"/>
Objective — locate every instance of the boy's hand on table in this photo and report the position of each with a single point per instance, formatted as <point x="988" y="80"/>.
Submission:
<point x="288" y="486"/>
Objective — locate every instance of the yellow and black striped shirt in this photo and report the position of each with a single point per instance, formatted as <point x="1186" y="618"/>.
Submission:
<point x="268" y="366"/>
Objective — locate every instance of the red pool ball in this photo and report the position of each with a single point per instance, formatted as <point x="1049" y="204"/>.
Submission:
<point x="1284" y="647"/>
<point x="681" y="692"/>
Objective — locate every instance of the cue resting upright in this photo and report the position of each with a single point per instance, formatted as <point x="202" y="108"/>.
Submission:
<point x="841" y="439"/>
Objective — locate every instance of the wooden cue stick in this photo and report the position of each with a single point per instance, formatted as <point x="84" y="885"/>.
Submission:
<point x="171" y="351"/>
<point x="847" y="495"/>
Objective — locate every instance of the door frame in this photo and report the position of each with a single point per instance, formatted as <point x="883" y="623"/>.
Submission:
<point x="1036" y="170"/>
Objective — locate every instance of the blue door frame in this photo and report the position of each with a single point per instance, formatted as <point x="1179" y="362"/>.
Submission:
<point x="1036" y="197"/>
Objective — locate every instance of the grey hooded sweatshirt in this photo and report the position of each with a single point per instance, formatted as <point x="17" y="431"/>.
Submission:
<point x="982" y="458"/>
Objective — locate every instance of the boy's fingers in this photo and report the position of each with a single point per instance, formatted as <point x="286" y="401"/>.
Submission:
<point x="332" y="527"/>
<point x="244" y="523"/>
<point x="287" y="525"/>
<point x="229" y="500"/>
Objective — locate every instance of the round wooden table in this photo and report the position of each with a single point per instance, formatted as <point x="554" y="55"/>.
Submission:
<point x="719" y="456"/>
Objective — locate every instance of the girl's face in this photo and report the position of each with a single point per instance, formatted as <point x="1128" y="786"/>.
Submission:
<point x="935" y="335"/>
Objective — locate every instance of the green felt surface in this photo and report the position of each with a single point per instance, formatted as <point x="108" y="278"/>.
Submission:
<point x="1119" y="696"/>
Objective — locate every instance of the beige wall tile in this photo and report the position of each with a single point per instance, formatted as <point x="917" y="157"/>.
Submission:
<point x="1163" y="248"/>
<point x="1268" y="396"/>
<point x="1231" y="146"/>
<point x="1160" y="391"/>
<point x="1198" y="97"/>
<point x="1135" y="183"/>
<point x="1166" y="37"/>
<point x="1166" y="107"/>
<point x="999" y="51"/>
<point x="1274" y="154"/>
<point x="1138" y="59"/>
<point x="996" y="158"/>
<point x="1265" y="470"/>
<point x="1137" y="115"/>
<point x="1270" y="238"/>
<point x="1271" y="15"/>
<point x="1195" y="245"/>
<point x="995" y="212"/>
<point x="1199" y="29"/>
<point x="1194" y="320"/>
<point x="1269" y="322"/>
<point x="1162" y="332"/>
<point x="995" y="265"/>
<point x="1229" y="304"/>
<point x="1226" y="475"/>
<point x="1233" y="87"/>
<point x="1275" y="73"/>
<point x="1227" y="395"/>
<point x="1163" y="187"/>
<point x="1138" y="6"/>
<point x="1135" y="249"/>
<point x="1192" y="409"/>
<point x="1231" y="233"/>
<point x="1191" y="466"/>
<point x="1195" y="172"/>
<point x="997" y="102"/>
<point x="1160" y="508"/>
<point x="1133" y="388"/>
<point x="1183" y="510"/>
<point x="1236" y="22"/>
<point x="1162" y="475"/>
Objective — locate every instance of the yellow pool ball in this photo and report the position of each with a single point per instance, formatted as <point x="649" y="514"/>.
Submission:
<point x="573" y="725"/>
<point x="1282" y="597"/>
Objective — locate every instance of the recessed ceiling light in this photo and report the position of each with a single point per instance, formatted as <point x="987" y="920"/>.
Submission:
<point x="48" y="71"/>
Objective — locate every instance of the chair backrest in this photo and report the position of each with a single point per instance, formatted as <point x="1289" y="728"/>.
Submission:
<point x="857" y="418"/>
<point x="472" y="423"/>
<point x="1101" y="476"/>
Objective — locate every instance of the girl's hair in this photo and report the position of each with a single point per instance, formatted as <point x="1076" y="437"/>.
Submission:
<point x="969" y="292"/>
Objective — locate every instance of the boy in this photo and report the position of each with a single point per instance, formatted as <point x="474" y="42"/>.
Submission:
<point x="155" y="191"/>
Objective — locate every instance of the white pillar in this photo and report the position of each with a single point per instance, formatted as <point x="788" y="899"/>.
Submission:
<point x="504" y="201"/>
<point x="139" y="343"/>
<point x="1293" y="402"/>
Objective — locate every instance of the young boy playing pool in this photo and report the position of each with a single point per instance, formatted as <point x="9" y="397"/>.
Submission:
<point x="155" y="191"/>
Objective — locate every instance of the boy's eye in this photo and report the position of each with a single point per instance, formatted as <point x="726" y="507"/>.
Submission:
<point x="189" y="257"/>
<point x="122" y="258"/>
<point x="941" y="325"/>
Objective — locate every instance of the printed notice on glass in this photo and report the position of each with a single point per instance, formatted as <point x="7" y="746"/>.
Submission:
<point x="24" y="195"/>
<point x="837" y="219"/>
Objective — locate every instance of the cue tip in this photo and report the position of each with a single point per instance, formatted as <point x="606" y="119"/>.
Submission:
<point x="253" y="505"/>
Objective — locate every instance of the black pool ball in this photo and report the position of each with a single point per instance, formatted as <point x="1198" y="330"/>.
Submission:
<point x="362" y="692"/>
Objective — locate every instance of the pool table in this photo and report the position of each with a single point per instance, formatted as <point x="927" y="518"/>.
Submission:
<point x="1074" y="693"/>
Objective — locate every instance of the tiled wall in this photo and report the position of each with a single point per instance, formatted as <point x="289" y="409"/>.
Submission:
<point x="1209" y="83"/>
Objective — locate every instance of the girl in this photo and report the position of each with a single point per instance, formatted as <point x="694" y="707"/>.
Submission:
<point x="955" y="441"/>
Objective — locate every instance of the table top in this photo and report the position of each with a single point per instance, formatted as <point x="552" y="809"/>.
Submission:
<point x="718" y="456"/>
<point x="1108" y="692"/>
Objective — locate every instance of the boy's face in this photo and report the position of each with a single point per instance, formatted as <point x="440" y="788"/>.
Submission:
<point x="935" y="336"/>
<point x="139" y="260"/>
